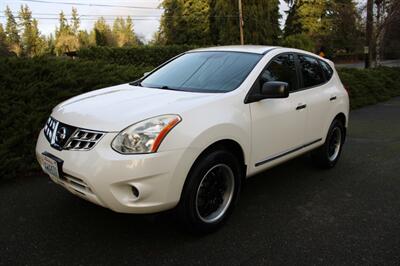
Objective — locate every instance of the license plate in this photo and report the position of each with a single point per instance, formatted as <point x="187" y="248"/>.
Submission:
<point x="50" y="166"/>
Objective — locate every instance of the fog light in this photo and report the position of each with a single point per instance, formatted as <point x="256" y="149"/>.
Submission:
<point x="135" y="191"/>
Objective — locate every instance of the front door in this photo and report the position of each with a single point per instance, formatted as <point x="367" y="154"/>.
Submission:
<point x="278" y="125"/>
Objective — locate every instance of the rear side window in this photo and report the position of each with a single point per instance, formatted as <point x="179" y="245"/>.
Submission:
<point x="281" y="68"/>
<point x="311" y="71"/>
<point x="328" y="71"/>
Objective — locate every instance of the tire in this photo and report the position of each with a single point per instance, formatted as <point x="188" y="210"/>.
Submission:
<point x="328" y="154"/>
<point x="210" y="192"/>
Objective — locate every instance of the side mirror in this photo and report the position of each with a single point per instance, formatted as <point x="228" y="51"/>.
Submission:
<point x="274" y="89"/>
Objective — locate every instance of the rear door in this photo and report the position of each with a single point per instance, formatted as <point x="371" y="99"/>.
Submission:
<point x="318" y="93"/>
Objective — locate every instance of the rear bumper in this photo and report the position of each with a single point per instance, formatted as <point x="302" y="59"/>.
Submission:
<point x="106" y="177"/>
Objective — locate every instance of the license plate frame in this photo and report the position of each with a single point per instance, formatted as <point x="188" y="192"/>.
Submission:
<point x="52" y="165"/>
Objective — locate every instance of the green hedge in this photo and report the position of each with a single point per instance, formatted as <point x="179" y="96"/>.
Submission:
<point x="139" y="56"/>
<point x="30" y="88"/>
<point x="369" y="86"/>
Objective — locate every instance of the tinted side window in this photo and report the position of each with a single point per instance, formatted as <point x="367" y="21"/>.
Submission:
<point x="311" y="71"/>
<point x="281" y="68"/>
<point x="328" y="71"/>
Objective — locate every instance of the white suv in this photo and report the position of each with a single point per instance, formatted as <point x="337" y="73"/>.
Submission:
<point x="186" y="134"/>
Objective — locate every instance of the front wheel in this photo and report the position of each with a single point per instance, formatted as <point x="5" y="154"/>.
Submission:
<point x="210" y="192"/>
<point x="328" y="154"/>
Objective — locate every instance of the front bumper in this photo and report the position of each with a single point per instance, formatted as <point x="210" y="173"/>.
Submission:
<point x="106" y="178"/>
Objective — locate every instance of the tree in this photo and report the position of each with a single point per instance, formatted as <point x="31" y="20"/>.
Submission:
<point x="332" y="24"/>
<point x="224" y="22"/>
<point x="63" y="27"/>
<point x="130" y="33"/>
<point x="217" y="22"/>
<point x="67" y="43"/>
<point x="3" y="46"/>
<point x="32" y="42"/>
<point x="13" y="40"/>
<point x="3" y="35"/>
<point x="75" y="22"/>
<point x="39" y="43"/>
<point x="261" y="21"/>
<point x="67" y="39"/>
<point x="50" y="44"/>
<point x="84" y="38"/>
<point x="123" y="32"/>
<point x="171" y="24"/>
<point x="387" y="15"/>
<point x="102" y="34"/>
<point x="185" y="22"/>
<point x="309" y="17"/>
<point x="390" y="35"/>
<point x="345" y="31"/>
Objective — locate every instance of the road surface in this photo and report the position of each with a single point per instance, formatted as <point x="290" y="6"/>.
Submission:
<point x="292" y="214"/>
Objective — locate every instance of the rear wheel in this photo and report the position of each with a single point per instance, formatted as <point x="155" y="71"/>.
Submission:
<point x="210" y="192"/>
<point x="328" y="154"/>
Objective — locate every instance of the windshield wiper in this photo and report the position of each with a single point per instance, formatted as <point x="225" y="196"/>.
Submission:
<point x="136" y="83"/>
<point x="166" y="88"/>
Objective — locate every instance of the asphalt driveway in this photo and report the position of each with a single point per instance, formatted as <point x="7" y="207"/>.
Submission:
<point x="292" y="214"/>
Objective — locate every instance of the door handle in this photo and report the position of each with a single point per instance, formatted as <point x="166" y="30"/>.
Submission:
<point x="301" y="106"/>
<point x="332" y="98"/>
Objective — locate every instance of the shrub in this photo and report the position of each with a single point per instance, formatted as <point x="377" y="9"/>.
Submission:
<point x="30" y="88"/>
<point x="139" y="56"/>
<point x="369" y="86"/>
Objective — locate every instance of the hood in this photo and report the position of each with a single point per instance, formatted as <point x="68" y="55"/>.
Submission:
<point x="115" y="108"/>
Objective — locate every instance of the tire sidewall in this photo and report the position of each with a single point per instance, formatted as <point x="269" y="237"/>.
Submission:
<point x="335" y="124"/>
<point x="187" y="204"/>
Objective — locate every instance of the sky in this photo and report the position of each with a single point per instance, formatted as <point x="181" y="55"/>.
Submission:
<point x="145" y="13"/>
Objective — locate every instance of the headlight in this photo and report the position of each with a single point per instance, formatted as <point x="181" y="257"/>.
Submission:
<point x="145" y="136"/>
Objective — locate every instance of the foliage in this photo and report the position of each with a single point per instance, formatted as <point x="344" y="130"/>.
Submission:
<point x="261" y="21"/>
<point x="67" y="38"/>
<point x="24" y="39"/>
<point x="390" y="31"/>
<point x="369" y="86"/>
<point x="141" y="55"/>
<point x="123" y="32"/>
<point x="334" y="25"/>
<point x="3" y="44"/>
<point x="3" y="36"/>
<point x="30" y="88"/>
<point x="12" y="36"/>
<point x="208" y="22"/>
<point x="32" y="43"/>
<point x="299" y="41"/>
<point x="102" y="33"/>
<point x="185" y="22"/>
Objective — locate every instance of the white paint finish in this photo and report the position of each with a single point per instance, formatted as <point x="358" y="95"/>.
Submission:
<point x="263" y="129"/>
<point x="276" y="127"/>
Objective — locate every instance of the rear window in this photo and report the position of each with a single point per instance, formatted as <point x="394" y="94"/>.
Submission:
<point x="311" y="71"/>
<point x="328" y="71"/>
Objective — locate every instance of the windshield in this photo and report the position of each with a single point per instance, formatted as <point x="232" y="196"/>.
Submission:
<point x="203" y="72"/>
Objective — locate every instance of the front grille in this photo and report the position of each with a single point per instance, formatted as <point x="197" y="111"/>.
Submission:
<point x="83" y="139"/>
<point x="65" y="137"/>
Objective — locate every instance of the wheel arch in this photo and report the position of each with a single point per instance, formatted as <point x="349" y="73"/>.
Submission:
<point x="229" y="145"/>
<point x="342" y="118"/>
